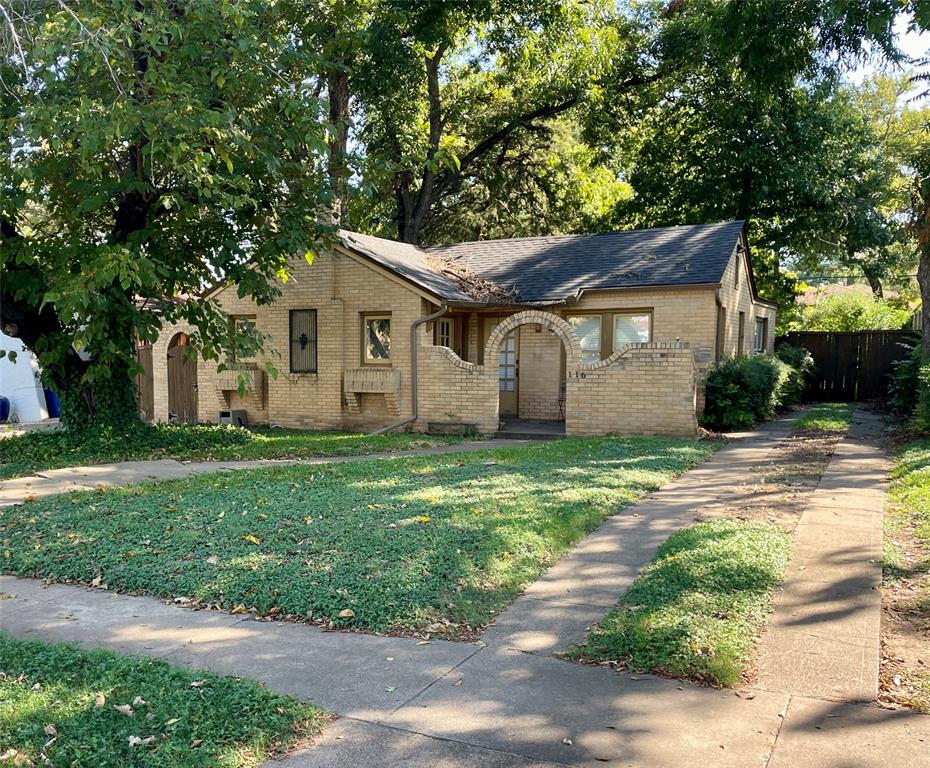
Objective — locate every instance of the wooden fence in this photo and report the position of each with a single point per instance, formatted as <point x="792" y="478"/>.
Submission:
<point x="852" y="366"/>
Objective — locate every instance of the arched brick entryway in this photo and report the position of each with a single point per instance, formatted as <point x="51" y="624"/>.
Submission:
<point x="541" y="401"/>
<point x="548" y="321"/>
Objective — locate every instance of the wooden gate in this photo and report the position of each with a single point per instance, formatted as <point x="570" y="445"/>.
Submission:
<point x="182" y="381"/>
<point x="145" y="385"/>
<point x="852" y="366"/>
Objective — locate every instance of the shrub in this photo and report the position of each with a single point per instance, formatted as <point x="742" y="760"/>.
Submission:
<point x="902" y="389"/>
<point x="852" y="312"/>
<point x="922" y="411"/>
<point x="742" y="391"/>
<point x="801" y="366"/>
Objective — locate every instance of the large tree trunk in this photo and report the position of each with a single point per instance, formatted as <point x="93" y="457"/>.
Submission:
<point x="337" y="86"/>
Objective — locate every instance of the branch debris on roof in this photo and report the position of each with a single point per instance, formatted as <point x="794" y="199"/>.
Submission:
<point x="476" y="288"/>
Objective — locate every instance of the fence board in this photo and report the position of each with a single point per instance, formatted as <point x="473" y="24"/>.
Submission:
<point x="854" y="365"/>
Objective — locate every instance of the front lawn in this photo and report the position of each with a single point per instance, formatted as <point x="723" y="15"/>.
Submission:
<point x="695" y="610"/>
<point x="437" y="543"/>
<point x="62" y="706"/>
<point x="906" y="592"/>
<point x="50" y="449"/>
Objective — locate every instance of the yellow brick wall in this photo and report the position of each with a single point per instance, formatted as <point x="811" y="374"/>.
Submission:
<point x="646" y="389"/>
<point x="540" y="373"/>
<point x="340" y="289"/>
<point x="735" y="296"/>
<point x="452" y="391"/>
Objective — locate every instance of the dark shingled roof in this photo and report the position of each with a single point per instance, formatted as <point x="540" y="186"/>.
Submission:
<point x="549" y="269"/>
<point x="406" y="260"/>
<point x="539" y="269"/>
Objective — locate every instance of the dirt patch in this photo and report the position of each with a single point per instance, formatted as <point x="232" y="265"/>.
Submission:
<point x="776" y="490"/>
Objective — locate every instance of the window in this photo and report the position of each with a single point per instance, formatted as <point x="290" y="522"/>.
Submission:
<point x="376" y="331"/>
<point x="303" y="341"/>
<point x="444" y="334"/>
<point x="759" y="336"/>
<point x="242" y="325"/>
<point x="588" y="330"/>
<point x="632" y="328"/>
<point x="740" y="348"/>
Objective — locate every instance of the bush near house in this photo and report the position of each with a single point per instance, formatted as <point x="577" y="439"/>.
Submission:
<point x="63" y="706"/>
<point x="742" y="391"/>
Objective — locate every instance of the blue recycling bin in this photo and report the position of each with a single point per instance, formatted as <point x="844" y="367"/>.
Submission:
<point x="4" y="408"/>
<point x="52" y="403"/>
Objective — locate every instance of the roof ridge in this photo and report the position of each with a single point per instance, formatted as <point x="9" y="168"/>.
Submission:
<point x="670" y="227"/>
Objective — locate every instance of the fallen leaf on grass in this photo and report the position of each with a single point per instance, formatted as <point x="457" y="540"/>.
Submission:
<point x="50" y="730"/>
<point x="138" y="701"/>
<point x="99" y="701"/>
<point x="346" y="613"/>
<point x="198" y="683"/>
<point x="213" y="560"/>
<point x="251" y="538"/>
<point x="126" y="709"/>
<point x="196" y="743"/>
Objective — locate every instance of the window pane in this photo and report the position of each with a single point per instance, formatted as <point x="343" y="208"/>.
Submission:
<point x="378" y="338"/>
<point x="588" y="330"/>
<point x="303" y="341"/>
<point x="631" y="329"/>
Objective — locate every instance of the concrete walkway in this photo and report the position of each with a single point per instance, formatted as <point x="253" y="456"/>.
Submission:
<point x="88" y="478"/>
<point x="823" y="638"/>
<point x="504" y="702"/>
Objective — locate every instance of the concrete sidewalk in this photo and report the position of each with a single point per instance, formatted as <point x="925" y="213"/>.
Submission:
<point x="823" y="638"/>
<point x="448" y="705"/>
<point x="91" y="477"/>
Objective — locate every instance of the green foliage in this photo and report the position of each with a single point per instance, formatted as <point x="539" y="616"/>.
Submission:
<point x="907" y="553"/>
<point x="801" y="366"/>
<point x="827" y="417"/>
<point x="922" y="408"/>
<point x="194" y="718"/>
<point x="401" y="543"/>
<point x="903" y="383"/>
<point x="910" y="490"/>
<point x="36" y="451"/>
<point x="853" y="311"/>
<point x="148" y="148"/>
<point x="742" y="391"/>
<point x="695" y="611"/>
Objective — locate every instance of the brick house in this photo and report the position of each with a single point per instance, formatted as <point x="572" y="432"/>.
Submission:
<point x="608" y="333"/>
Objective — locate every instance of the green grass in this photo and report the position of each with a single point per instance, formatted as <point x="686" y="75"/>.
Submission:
<point x="907" y="551"/>
<point x="827" y="417"/>
<point x="695" y="610"/>
<point x="402" y="543"/>
<point x="36" y="451"/>
<point x="58" y="702"/>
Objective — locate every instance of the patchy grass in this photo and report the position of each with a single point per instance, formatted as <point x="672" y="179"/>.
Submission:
<point x="58" y="707"/>
<point x="906" y="589"/>
<point x="827" y="417"/>
<point x="695" y="611"/>
<point x="50" y="449"/>
<point x="436" y="543"/>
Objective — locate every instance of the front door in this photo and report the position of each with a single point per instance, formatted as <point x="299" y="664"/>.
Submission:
<point x="182" y="381"/>
<point x="508" y="370"/>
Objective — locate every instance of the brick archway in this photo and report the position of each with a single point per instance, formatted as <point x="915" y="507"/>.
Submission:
<point x="548" y="321"/>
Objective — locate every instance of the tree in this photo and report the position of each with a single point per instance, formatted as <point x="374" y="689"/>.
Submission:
<point x="851" y="311"/>
<point x="746" y="121"/>
<point x="445" y="90"/>
<point x="149" y="149"/>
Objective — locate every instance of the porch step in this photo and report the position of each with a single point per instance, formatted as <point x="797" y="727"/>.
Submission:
<point x="525" y="429"/>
